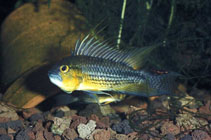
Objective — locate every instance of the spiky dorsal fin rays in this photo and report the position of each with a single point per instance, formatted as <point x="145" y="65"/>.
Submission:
<point x="90" y="47"/>
<point x="137" y="57"/>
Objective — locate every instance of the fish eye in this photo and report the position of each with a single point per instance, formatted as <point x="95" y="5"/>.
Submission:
<point x="64" y="68"/>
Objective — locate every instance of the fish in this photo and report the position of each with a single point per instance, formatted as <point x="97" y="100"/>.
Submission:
<point x="97" y="68"/>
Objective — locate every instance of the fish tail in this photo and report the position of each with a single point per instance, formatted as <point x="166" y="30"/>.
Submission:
<point x="161" y="84"/>
<point x="151" y="84"/>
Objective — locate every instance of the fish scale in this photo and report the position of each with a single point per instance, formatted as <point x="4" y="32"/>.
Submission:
<point x="109" y="73"/>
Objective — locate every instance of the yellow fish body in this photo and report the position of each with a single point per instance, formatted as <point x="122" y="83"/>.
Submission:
<point x="97" y="68"/>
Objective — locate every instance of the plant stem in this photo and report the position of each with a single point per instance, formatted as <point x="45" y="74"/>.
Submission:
<point x="121" y="23"/>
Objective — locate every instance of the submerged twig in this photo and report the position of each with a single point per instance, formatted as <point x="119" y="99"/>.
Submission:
<point x="121" y="23"/>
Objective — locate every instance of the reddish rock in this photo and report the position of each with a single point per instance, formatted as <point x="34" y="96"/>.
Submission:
<point x="144" y="137"/>
<point x="121" y="137"/>
<point x="38" y="126"/>
<point x="4" y="119"/>
<point x="39" y="136"/>
<point x="206" y="109"/>
<point x="200" y="135"/>
<point x="48" y="125"/>
<point x="48" y="135"/>
<point x="70" y="134"/>
<point x="169" y="127"/>
<point x="112" y="133"/>
<point x="29" y="112"/>
<point x="57" y="137"/>
<point x="10" y="131"/>
<point x="103" y="123"/>
<point x="132" y="136"/>
<point x="11" y="136"/>
<point x="76" y="120"/>
<point x="31" y="135"/>
<point x="94" y="117"/>
<point x="3" y="131"/>
<point x="101" y="134"/>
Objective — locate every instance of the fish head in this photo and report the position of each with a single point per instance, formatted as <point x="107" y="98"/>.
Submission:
<point x="64" y="76"/>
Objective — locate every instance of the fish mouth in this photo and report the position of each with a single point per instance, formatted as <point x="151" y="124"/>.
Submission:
<point x="55" y="78"/>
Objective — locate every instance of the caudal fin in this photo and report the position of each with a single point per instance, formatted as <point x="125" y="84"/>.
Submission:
<point x="161" y="83"/>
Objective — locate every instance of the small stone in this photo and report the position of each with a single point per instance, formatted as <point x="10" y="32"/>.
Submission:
<point x="169" y="137"/>
<point x="200" y="135"/>
<point x="76" y="120"/>
<point x="78" y="139"/>
<point x="58" y="114"/>
<point x="132" y="136"/>
<point x="31" y="135"/>
<point x="57" y="137"/>
<point x="39" y="135"/>
<point x="60" y="124"/>
<point x="107" y="110"/>
<point x="8" y="112"/>
<point x="186" y="137"/>
<point x="12" y="124"/>
<point x="91" y="124"/>
<point x="67" y="111"/>
<point x="4" y="119"/>
<point x="48" y="135"/>
<point x="48" y="124"/>
<point x="10" y="131"/>
<point x="91" y="109"/>
<point x="188" y="121"/>
<point x="85" y="130"/>
<point x="22" y="135"/>
<point x="38" y="126"/>
<point x="103" y="123"/>
<point x="94" y="117"/>
<point x="101" y="134"/>
<point x="123" y="127"/>
<point x="29" y="112"/>
<point x="36" y="117"/>
<point x="4" y="137"/>
<point x="144" y="137"/>
<point x="169" y="127"/>
<point x="206" y="109"/>
<point x="121" y="137"/>
<point x="3" y="131"/>
<point x="70" y="134"/>
<point x="112" y="133"/>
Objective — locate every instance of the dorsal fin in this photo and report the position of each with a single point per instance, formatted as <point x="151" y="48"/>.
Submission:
<point x="91" y="47"/>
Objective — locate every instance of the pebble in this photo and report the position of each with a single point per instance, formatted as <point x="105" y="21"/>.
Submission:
<point x="70" y="134"/>
<point x="12" y="124"/>
<point x="36" y="117"/>
<point x="60" y="124"/>
<point x="4" y="137"/>
<point x="77" y="120"/>
<point x="122" y="127"/>
<point x="8" y="112"/>
<point x="169" y="137"/>
<point x="58" y="114"/>
<point x="85" y="130"/>
<point x="101" y="134"/>
<point x="186" y="137"/>
<point x="29" y="112"/>
<point x="22" y="135"/>
<point x="3" y="131"/>
<point x="200" y="135"/>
